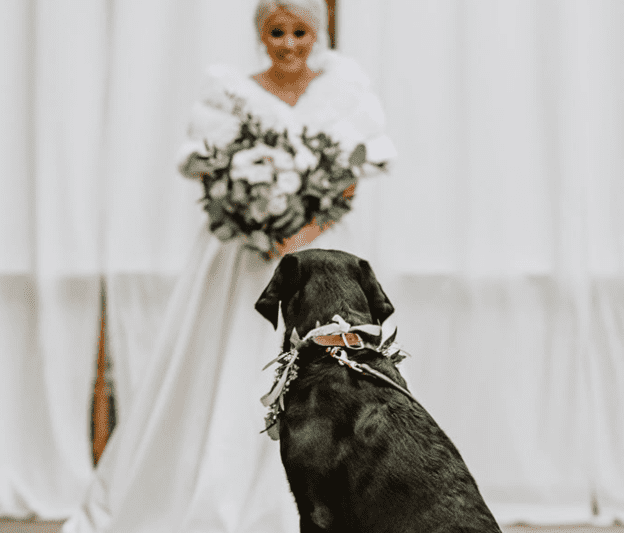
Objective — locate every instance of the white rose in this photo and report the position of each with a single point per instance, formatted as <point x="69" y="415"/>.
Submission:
<point x="257" y="164"/>
<point x="281" y="159"/>
<point x="249" y="156"/>
<point x="253" y="174"/>
<point x="278" y="204"/>
<point x="244" y="166"/>
<point x="305" y="159"/>
<point x="288" y="181"/>
<point x="245" y="158"/>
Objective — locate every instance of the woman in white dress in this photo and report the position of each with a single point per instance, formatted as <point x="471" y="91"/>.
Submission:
<point x="189" y="457"/>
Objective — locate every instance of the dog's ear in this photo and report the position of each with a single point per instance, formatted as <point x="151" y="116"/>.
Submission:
<point x="282" y="286"/>
<point x="378" y="303"/>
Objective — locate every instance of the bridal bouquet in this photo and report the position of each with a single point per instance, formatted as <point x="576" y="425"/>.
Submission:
<point x="266" y="184"/>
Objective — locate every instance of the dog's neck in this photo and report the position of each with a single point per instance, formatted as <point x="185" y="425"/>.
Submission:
<point x="326" y="327"/>
<point x="324" y="315"/>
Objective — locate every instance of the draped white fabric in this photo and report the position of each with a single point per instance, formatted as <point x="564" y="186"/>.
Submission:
<point x="84" y="106"/>
<point x="498" y="237"/>
<point x="503" y="238"/>
<point x="52" y="66"/>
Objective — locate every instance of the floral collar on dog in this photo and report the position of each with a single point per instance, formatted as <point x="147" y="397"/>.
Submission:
<point x="334" y="336"/>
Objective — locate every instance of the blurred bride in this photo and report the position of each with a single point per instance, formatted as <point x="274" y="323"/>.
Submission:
<point x="190" y="456"/>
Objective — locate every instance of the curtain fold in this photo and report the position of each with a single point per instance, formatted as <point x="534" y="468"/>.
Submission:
<point x="500" y="238"/>
<point x="53" y="79"/>
<point x="498" y="364"/>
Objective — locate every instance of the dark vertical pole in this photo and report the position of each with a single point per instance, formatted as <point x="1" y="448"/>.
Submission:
<point x="331" y="11"/>
<point x="103" y="406"/>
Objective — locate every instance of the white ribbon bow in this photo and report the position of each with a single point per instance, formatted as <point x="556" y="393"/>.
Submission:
<point x="338" y="326"/>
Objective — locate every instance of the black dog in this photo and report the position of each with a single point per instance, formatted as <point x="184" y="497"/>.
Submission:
<point x="360" y="455"/>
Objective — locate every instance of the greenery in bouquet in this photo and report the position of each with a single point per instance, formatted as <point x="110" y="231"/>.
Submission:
<point x="266" y="185"/>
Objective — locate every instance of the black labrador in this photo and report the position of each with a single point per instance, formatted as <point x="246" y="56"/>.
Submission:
<point x="360" y="455"/>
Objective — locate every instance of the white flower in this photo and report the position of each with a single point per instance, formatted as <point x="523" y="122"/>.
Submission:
<point x="288" y="181"/>
<point x="304" y="158"/>
<point x="258" y="164"/>
<point x="260" y="240"/>
<point x="246" y="158"/>
<point x="263" y="153"/>
<point x="253" y="174"/>
<point x="315" y="143"/>
<point x="326" y="203"/>
<point x="219" y="190"/>
<point x="278" y="204"/>
<point x="281" y="159"/>
<point x="250" y="165"/>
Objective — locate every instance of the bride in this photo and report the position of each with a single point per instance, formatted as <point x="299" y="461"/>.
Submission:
<point x="189" y="457"/>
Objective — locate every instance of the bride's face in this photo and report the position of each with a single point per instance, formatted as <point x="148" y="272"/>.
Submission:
<point x="289" y="41"/>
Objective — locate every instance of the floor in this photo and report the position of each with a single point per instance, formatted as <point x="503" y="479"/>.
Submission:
<point x="10" y="526"/>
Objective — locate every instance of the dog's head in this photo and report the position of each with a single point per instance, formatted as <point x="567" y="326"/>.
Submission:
<point x="314" y="285"/>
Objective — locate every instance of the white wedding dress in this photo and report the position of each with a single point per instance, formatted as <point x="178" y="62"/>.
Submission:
<point x="189" y="456"/>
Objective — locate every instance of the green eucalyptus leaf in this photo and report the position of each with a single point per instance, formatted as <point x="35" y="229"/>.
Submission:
<point x="358" y="156"/>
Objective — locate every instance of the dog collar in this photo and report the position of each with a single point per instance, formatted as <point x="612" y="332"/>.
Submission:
<point x="337" y="333"/>
<point x="334" y="336"/>
<point x="345" y="340"/>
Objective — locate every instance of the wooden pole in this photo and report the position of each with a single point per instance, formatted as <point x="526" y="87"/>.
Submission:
<point x="102" y="393"/>
<point x="331" y="11"/>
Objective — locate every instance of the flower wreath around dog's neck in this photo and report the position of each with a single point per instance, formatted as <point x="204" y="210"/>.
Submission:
<point x="287" y="371"/>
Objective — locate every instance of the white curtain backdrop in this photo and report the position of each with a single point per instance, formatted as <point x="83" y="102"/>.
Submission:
<point x="501" y="234"/>
<point x="498" y="234"/>
<point x="52" y="60"/>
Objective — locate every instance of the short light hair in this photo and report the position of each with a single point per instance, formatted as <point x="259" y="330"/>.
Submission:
<point x="313" y="12"/>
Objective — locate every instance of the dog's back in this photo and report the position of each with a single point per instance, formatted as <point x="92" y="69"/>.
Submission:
<point x="360" y="455"/>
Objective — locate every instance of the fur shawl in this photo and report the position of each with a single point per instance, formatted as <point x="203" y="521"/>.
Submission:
<point x="339" y="102"/>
